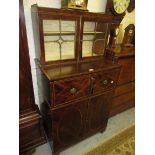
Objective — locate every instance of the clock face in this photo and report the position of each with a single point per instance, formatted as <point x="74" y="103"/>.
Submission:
<point x="120" y="5"/>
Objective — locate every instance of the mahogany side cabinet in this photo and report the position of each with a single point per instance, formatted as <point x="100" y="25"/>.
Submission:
<point x="78" y="79"/>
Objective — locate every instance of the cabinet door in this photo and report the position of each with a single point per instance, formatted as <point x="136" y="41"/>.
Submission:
<point x="94" y="36"/>
<point x="68" y="124"/>
<point x="98" y="113"/>
<point x="60" y="37"/>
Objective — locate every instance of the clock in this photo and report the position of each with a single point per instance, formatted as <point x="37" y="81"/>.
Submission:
<point x="117" y="7"/>
<point x="120" y="6"/>
<point x="74" y="4"/>
<point x="129" y="36"/>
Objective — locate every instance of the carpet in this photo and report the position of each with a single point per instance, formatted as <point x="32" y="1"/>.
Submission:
<point x="122" y="143"/>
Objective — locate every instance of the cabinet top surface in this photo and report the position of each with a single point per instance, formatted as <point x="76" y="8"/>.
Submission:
<point x="46" y="10"/>
<point x="70" y="70"/>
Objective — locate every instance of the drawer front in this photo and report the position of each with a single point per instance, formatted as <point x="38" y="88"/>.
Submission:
<point x="125" y="88"/>
<point x="127" y="73"/>
<point x="122" y="107"/>
<point x="70" y="89"/>
<point x="117" y="101"/>
<point x="103" y="81"/>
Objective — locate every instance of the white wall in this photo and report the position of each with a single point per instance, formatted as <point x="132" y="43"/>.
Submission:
<point x="93" y="5"/>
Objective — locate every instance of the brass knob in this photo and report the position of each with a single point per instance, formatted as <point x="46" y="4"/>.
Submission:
<point x="105" y="82"/>
<point x="112" y="82"/>
<point x="73" y="90"/>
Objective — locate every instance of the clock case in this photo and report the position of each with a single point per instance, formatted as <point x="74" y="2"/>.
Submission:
<point x="124" y="97"/>
<point x="70" y="4"/>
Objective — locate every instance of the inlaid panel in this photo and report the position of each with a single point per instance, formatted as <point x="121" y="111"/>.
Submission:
<point x="99" y="111"/>
<point x="70" y="89"/>
<point x="69" y="124"/>
<point x="104" y="81"/>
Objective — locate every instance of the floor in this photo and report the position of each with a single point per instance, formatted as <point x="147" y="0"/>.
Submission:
<point x="115" y="124"/>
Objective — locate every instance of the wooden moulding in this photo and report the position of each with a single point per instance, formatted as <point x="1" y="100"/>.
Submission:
<point x="31" y="132"/>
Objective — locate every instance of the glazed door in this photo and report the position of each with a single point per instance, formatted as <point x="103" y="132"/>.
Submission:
<point x="59" y="37"/>
<point x="98" y="112"/>
<point x="94" y="36"/>
<point x="68" y="124"/>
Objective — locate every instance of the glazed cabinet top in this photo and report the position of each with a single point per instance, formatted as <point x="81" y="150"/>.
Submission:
<point x="68" y="35"/>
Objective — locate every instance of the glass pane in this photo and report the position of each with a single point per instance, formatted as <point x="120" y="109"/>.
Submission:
<point x="50" y="26"/>
<point x="87" y="45"/>
<point x="67" y="50"/>
<point x="87" y="48"/>
<point x="67" y="26"/>
<point x="89" y="26"/>
<point x="59" y="39"/>
<point x="94" y="38"/>
<point x="52" y="51"/>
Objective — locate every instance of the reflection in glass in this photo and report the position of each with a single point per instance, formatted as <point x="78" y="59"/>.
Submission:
<point x="94" y="38"/>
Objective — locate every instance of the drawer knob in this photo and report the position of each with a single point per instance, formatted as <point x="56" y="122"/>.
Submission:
<point x="105" y="82"/>
<point x="91" y="70"/>
<point x="73" y="90"/>
<point x="112" y="82"/>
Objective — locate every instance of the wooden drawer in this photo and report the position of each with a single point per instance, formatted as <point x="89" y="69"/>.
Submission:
<point x="117" y="101"/>
<point x="125" y="88"/>
<point x="127" y="73"/>
<point x="122" y="107"/>
<point x="70" y="89"/>
<point x="103" y="81"/>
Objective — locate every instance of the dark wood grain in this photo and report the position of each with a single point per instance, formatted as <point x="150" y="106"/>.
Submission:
<point x="98" y="111"/>
<point x="31" y="132"/>
<point x="69" y="124"/>
<point x="76" y="100"/>
<point x="70" y="70"/>
<point x="104" y="81"/>
<point x="26" y="96"/>
<point x="124" y="97"/>
<point x="131" y="6"/>
<point x="62" y="89"/>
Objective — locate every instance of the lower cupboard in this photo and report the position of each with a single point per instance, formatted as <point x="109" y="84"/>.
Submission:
<point x="77" y="120"/>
